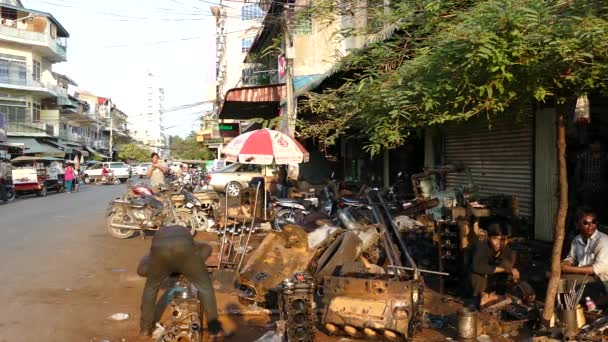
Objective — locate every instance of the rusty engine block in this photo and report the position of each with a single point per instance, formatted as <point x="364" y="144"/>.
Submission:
<point x="375" y="307"/>
<point x="297" y="307"/>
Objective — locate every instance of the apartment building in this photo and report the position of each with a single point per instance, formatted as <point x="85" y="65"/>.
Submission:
<point x="147" y="129"/>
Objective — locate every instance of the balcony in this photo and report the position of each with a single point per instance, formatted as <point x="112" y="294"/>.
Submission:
<point x="255" y="77"/>
<point x="21" y="78"/>
<point x="29" y="128"/>
<point x="42" y="42"/>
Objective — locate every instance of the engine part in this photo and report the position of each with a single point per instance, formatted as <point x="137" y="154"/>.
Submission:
<point x="182" y="319"/>
<point x="297" y="308"/>
<point x="278" y="257"/>
<point x="372" y="305"/>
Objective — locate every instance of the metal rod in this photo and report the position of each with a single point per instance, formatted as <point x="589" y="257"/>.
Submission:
<point x="403" y="248"/>
<point x="255" y="208"/>
<point x="219" y="265"/>
<point x="419" y="270"/>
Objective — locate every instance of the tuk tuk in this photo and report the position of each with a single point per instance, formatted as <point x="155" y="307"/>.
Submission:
<point x="38" y="175"/>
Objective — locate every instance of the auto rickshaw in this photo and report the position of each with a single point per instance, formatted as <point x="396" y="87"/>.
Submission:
<point x="38" y="175"/>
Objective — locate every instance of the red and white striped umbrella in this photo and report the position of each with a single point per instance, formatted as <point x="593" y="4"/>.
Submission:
<point x="264" y="146"/>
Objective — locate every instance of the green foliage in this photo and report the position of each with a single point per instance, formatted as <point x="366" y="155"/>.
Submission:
<point x="453" y="60"/>
<point x="188" y="148"/>
<point x="133" y="152"/>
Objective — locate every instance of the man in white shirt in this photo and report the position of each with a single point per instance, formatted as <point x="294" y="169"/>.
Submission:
<point x="156" y="172"/>
<point x="588" y="254"/>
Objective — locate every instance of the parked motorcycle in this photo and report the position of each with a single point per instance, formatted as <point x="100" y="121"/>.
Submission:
<point x="303" y="212"/>
<point x="140" y="210"/>
<point x="202" y="206"/>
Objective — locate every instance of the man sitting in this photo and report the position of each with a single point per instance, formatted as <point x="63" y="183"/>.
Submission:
<point x="492" y="264"/>
<point x="588" y="256"/>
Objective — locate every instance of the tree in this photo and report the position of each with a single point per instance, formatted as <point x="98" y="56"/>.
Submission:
<point x="188" y="148"/>
<point x="453" y="60"/>
<point x="457" y="59"/>
<point x="133" y="152"/>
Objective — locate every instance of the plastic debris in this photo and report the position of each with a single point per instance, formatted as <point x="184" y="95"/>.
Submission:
<point x="121" y="316"/>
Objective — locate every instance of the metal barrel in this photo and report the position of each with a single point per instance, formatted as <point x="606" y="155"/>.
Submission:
<point x="467" y="324"/>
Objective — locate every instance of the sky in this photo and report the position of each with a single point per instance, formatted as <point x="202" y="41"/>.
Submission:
<point x="113" y="43"/>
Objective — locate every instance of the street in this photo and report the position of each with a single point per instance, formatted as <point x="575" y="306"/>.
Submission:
<point x="63" y="274"/>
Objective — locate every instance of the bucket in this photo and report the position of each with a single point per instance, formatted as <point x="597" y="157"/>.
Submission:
<point x="467" y="324"/>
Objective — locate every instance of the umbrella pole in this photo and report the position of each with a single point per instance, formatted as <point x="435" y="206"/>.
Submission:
<point x="255" y="208"/>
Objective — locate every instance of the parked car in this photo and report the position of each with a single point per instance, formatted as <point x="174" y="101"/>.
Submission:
<point x="141" y="169"/>
<point x="120" y="169"/>
<point x="232" y="178"/>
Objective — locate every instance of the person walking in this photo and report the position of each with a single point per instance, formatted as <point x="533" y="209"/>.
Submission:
<point x="69" y="177"/>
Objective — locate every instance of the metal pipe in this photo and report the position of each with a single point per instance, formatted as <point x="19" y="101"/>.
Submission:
<point x="255" y="208"/>
<point x="221" y="256"/>
<point x="125" y="226"/>
<point x="419" y="270"/>
<point x="395" y="229"/>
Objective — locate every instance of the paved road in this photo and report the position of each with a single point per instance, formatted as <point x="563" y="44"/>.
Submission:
<point x="62" y="273"/>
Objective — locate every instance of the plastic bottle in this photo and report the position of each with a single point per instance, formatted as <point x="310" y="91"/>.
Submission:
<point x="590" y="304"/>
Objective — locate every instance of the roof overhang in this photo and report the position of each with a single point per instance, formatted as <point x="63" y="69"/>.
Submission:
<point x="253" y="102"/>
<point x="61" y="31"/>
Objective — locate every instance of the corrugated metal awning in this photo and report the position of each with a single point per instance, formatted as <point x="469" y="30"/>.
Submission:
<point x="253" y="102"/>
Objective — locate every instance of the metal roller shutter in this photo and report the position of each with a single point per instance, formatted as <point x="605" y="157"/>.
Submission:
<point x="500" y="156"/>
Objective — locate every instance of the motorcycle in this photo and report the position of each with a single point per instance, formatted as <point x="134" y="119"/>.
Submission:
<point x="141" y="210"/>
<point x="202" y="208"/>
<point x="302" y="212"/>
<point x="11" y="194"/>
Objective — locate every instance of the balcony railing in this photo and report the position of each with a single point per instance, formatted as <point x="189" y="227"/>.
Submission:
<point x="58" y="45"/>
<point x="23" y="76"/>
<point x="39" y="128"/>
<point x="253" y="77"/>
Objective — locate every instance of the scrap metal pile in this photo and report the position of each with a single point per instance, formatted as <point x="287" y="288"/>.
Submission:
<point x="361" y="275"/>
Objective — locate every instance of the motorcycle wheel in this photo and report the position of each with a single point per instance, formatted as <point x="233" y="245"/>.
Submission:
<point x="185" y="219"/>
<point x="11" y="195"/>
<point x="119" y="233"/>
<point x="42" y="192"/>
<point x="284" y="217"/>
<point x="202" y="221"/>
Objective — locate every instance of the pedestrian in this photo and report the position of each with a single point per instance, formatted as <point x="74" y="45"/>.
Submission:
<point x="4" y="175"/>
<point x="283" y="182"/>
<point x="493" y="263"/>
<point x="156" y="172"/>
<point x="588" y="256"/>
<point x="76" y="179"/>
<point x="69" y="177"/>
<point x="173" y="250"/>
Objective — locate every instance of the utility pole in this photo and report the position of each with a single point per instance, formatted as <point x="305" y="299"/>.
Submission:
<point x="109" y="110"/>
<point x="289" y="120"/>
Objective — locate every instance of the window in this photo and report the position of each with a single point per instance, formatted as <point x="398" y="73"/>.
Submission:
<point x="13" y="70"/>
<point x="36" y="73"/>
<point x="14" y="107"/>
<point x="246" y="44"/>
<point x="251" y="12"/>
<point x="36" y="112"/>
<point x="304" y="23"/>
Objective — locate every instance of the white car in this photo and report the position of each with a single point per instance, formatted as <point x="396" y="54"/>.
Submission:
<point x="232" y="178"/>
<point x="120" y="169"/>
<point x="142" y="169"/>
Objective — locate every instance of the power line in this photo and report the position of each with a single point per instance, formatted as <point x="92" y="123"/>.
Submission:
<point x="153" y="43"/>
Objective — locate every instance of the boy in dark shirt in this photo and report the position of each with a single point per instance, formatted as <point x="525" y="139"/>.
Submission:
<point x="493" y="263"/>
